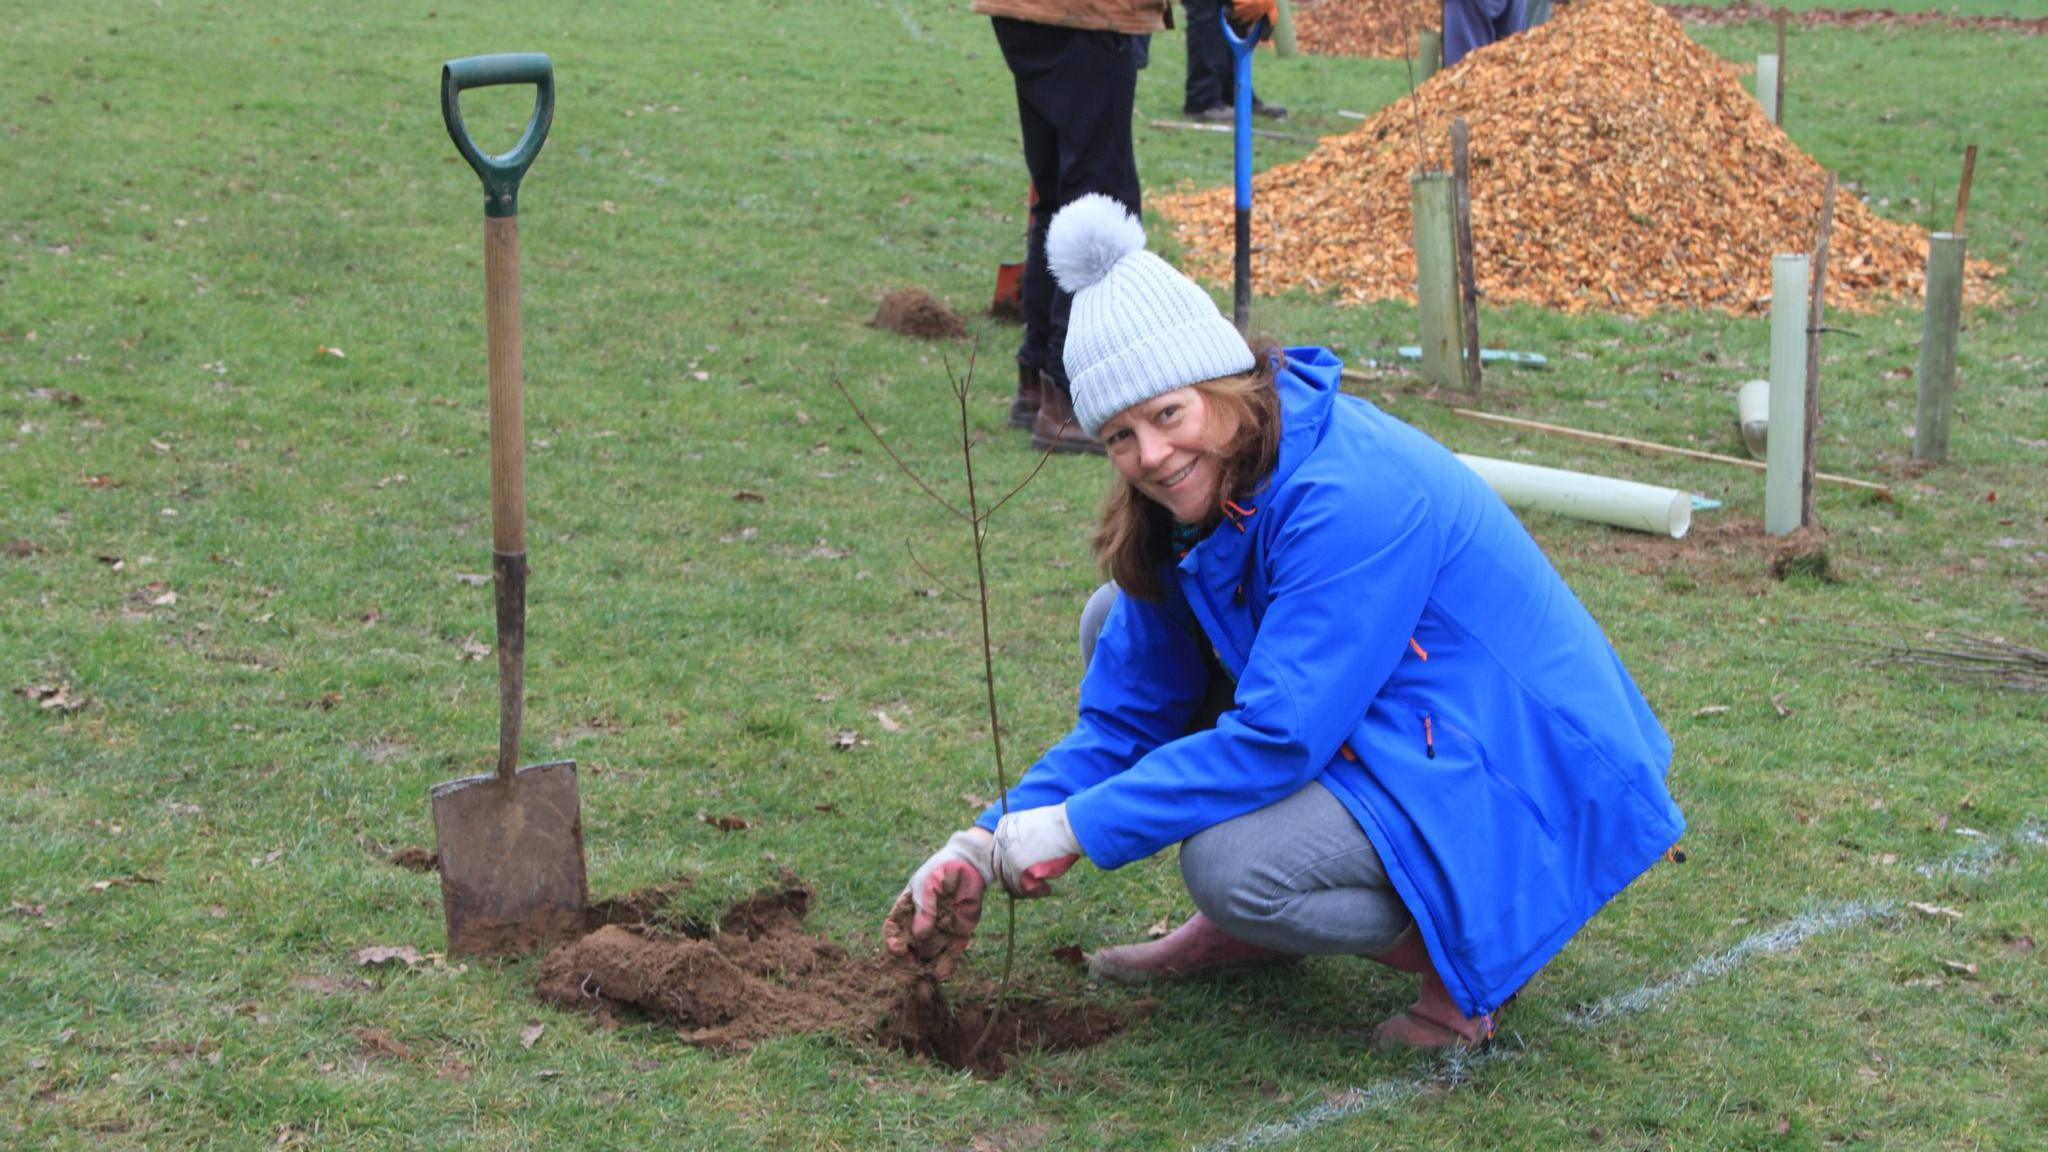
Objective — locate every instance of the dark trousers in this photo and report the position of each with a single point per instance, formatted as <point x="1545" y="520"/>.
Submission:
<point x="1075" y="94"/>
<point x="1473" y="24"/>
<point x="1212" y="70"/>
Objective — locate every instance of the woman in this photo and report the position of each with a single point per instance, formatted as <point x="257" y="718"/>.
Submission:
<point x="1429" y="755"/>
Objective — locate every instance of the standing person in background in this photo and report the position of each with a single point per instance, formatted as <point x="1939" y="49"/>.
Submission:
<point x="1075" y="63"/>
<point x="1473" y="24"/>
<point x="1212" y="75"/>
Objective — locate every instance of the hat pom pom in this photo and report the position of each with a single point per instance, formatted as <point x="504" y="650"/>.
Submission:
<point x="1088" y="237"/>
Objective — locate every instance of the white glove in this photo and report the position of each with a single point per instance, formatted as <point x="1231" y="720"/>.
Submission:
<point x="1032" y="848"/>
<point x="972" y="847"/>
<point x="933" y="921"/>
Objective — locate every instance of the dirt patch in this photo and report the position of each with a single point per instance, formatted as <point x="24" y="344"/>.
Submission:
<point x="416" y="859"/>
<point x="913" y="312"/>
<point x="757" y="974"/>
<point x="1732" y="552"/>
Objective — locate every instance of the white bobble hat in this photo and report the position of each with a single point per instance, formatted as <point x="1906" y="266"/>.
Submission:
<point x="1138" y="328"/>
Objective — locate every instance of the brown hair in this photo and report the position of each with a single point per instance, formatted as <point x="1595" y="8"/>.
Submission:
<point x="1135" y="535"/>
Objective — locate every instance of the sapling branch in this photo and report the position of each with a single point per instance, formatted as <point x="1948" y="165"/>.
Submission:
<point x="977" y="522"/>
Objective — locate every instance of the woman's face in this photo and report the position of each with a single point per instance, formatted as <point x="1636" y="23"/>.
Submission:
<point x="1167" y="448"/>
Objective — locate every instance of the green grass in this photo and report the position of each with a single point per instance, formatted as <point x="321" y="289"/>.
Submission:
<point x="198" y="198"/>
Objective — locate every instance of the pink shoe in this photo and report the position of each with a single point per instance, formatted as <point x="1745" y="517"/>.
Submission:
<point x="1195" y="946"/>
<point x="1432" y="1022"/>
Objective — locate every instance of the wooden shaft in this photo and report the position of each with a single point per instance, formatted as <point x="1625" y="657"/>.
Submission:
<point x="1816" y="315"/>
<point x="1652" y="448"/>
<point x="1778" y="95"/>
<point x="507" y="382"/>
<point x="1936" y="377"/>
<point x="1963" y="192"/>
<point x="1468" y="276"/>
<point x="1436" y="278"/>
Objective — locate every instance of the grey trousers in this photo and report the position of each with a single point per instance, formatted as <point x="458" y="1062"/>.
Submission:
<point x="1296" y="876"/>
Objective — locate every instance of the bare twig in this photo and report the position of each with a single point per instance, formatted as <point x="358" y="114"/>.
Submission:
<point x="1966" y="658"/>
<point x="907" y="469"/>
<point x="934" y="576"/>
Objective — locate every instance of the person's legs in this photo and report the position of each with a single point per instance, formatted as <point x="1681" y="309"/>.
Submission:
<point x="1211" y="80"/>
<point x="1031" y="51"/>
<point x="1297" y="876"/>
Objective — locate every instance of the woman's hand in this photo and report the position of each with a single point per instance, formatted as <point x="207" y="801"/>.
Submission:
<point x="1033" y="848"/>
<point x="935" y="917"/>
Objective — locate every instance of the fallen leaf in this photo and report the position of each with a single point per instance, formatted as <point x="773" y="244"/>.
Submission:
<point x="472" y="649"/>
<point x="378" y="955"/>
<point x="888" y="725"/>
<point x="21" y="909"/>
<point x="57" y="396"/>
<point x="114" y="562"/>
<point x="1070" y="954"/>
<point x="724" y="823"/>
<point x="50" y="697"/>
<point x="848" y="738"/>
<point x="324" y="350"/>
<point x="1159" y="928"/>
<point x="1711" y="710"/>
<point x="547" y="1074"/>
<point x="473" y="579"/>
<point x="531" y="1035"/>
<point x="1778" y="702"/>
<point x="1927" y="982"/>
<point x="746" y="497"/>
<point x="122" y="882"/>
<point x="394" y="478"/>
<point x="1962" y="966"/>
<point x="1941" y="822"/>
<point x="416" y="859"/>
<point x="22" y="549"/>
<point x="378" y="1042"/>
<point x="2020" y="945"/>
<point x="1935" y="910"/>
<point x="828" y="809"/>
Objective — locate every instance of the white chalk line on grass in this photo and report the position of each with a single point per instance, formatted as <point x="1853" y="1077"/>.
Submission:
<point x="910" y="23"/>
<point x="1452" y="1068"/>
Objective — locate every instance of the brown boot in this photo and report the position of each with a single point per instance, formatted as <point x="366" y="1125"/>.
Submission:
<point x="1024" y="407"/>
<point x="1056" y="429"/>
<point x="1195" y="946"/>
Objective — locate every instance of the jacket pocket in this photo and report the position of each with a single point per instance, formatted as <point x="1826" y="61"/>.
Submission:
<point x="1452" y="740"/>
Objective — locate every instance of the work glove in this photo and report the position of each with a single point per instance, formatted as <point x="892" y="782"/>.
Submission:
<point x="934" y="919"/>
<point x="1032" y="848"/>
<point x="1245" y="14"/>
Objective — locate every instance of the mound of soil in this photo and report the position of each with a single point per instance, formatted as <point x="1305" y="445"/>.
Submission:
<point x="1616" y="165"/>
<point x="1375" y="29"/>
<point x="913" y="312"/>
<point x="757" y="974"/>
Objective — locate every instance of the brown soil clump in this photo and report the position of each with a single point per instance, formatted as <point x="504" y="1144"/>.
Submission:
<point x="416" y="859"/>
<point x="758" y="975"/>
<point x="1616" y="166"/>
<point x="1375" y="29"/>
<point x="913" y="312"/>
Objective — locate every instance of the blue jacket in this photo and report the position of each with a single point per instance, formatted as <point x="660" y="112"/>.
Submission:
<point x="1394" y="632"/>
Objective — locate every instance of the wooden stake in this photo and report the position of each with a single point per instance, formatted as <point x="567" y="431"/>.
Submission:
<point x="1778" y="108"/>
<point x="1436" y="278"/>
<point x="1942" y="325"/>
<point x="1815" y="314"/>
<point x="1963" y="193"/>
<point x="1652" y="448"/>
<point x="1429" y="53"/>
<point x="1461" y="176"/>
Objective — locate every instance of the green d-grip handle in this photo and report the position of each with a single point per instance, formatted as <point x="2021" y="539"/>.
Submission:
<point x="501" y="174"/>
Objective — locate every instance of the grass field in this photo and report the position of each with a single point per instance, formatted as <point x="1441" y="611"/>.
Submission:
<point x="242" y="557"/>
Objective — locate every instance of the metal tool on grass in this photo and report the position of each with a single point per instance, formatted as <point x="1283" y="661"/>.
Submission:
<point x="1241" y="53"/>
<point x="511" y="841"/>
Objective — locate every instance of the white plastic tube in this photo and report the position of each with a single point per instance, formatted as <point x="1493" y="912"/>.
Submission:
<point x="1601" y="499"/>
<point x="1787" y="450"/>
<point x="1753" y="412"/>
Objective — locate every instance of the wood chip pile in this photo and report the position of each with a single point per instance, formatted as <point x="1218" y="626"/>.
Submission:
<point x="1616" y="166"/>
<point x="1376" y="29"/>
